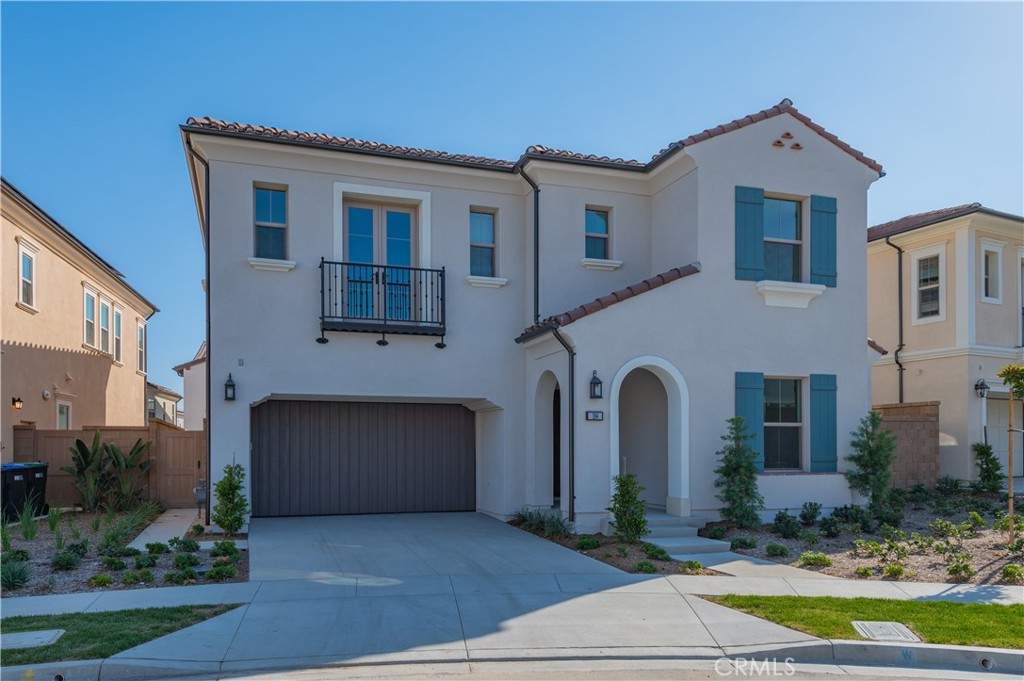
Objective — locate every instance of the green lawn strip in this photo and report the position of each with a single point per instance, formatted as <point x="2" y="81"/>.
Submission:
<point x="98" y="635"/>
<point x="963" y="624"/>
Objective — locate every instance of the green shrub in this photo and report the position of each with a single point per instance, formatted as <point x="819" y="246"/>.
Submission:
<point x="555" y="525"/>
<point x="99" y="580"/>
<point x="943" y="528"/>
<point x="224" y="560"/>
<point x="1012" y="574"/>
<point x="893" y="571"/>
<point x="16" y="555"/>
<point x="919" y="494"/>
<point x="628" y="509"/>
<point x="742" y="543"/>
<point x="587" y="543"/>
<point x="225" y="548"/>
<point x="1017" y="546"/>
<point x="196" y="530"/>
<point x="14" y="574"/>
<point x="220" y="573"/>
<point x="919" y="544"/>
<point x="809" y="512"/>
<point x="622" y="551"/>
<point x="91" y="472"/>
<point x="183" y="545"/>
<point x="656" y="552"/>
<point x="185" y="575"/>
<point x="786" y="526"/>
<point x="873" y="449"/>
<point x="774" y="550"/>
<point x="185" y="560"/>
<point x="815" y="558"/>
<point x="976" y="522"/>
<point x="688" y="567"/>
<point x="716" y="531"/>
<point x="94" y="522"/>
<point x="990" y="470"/>
<point x="856" y="517"/>
<point x="960" y="570"/>
<point x="58" y="540"/>
<point x="831" y="527"/>
<point x="127" y="527"/>
<point x="810" y="537"/>
<point x="127" y="471"/>
<point x="147" y="561"/>
<point x="232" y="506"/>
<point x="863" y="571"/>
<point x="27" y="520"/>
<point x="123" y="552"/>
<point x="53" y="517"/>
<point x="865" y="548"/>
<point x="65" y="560"/>
<point x="948" y="486"/>
<point x="5" y="537"/>
<point x="156" y="548"/>
<point x="81" y="548"/>
<point x="736" y="476"/>
<point x="645" y="567"/>
<point x="113" y="563"/>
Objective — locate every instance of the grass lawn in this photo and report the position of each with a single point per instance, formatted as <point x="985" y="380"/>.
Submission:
<point x="97" y="635"/>
<point x="965" y="624"/>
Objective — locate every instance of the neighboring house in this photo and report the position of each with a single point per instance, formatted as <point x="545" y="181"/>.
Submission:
<point x="368" y="303"/>
<point x="73" y="331"/>
<point x="956" y="318"/>
<point x="161" y="403"/>
<point x="193" y="374"/>
<point x="180" y="418"/>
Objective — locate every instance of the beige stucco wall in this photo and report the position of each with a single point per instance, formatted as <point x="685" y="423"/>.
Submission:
<point x="998" y="324"/>
<point x="194" y="382"/>
<point x="43" y="351"/>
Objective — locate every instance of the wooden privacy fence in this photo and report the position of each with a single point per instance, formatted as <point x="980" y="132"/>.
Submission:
<point x="179" y="459"/>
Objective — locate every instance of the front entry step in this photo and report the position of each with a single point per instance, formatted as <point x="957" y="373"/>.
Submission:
<point x="689" y="545"/>
<point x="678" y="535"/>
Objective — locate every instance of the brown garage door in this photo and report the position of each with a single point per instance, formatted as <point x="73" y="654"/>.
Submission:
<point x="333" y="458"/>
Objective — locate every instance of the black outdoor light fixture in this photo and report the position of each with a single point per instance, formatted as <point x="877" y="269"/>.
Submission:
<point x="981" y="387"/>
<point x="229" y="390"/>
<point x="596" y="387"/>
<point x="17" y="403"/>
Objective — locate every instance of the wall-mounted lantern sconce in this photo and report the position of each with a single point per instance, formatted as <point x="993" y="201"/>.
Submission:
<point x="229" y="390"/>
<point x="596" y="387"/>
<point x="981" y="387"/>
<point x="17" y="403"/>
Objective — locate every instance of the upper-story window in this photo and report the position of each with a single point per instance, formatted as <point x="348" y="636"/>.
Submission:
<point x="928" y="282"/>
<point x="782" y="240"/>
<point x="105" y="325"/>
<point x="141" y="344"/>
<point x="118" y="315"/>
<point x="597" y="234"/>
<point x="270" y="209"/>
<point x="482" y="260"/>
<point x="782" y="424"/>
<point x="991" y="271"/>
<point x="928" y="287"/>
<point x="27" y="273"/>
<point x="89" y="317"/>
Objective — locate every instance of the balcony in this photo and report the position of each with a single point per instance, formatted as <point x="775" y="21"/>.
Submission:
<point x="381" y="299"/>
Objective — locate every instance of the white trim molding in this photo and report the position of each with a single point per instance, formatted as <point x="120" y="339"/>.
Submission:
<point x="343" y="190"/>
<point x="486" y="282"/>
<point x="600" y="264"/>
<point x="271" y="265"/>
<point x="917" y="255"/>
<point x="789" y="293"/>
<point x="996" y="247"/>
<point x="992" y="351"/>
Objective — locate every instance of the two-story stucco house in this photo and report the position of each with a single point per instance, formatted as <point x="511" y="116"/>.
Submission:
<point x="946" y="290"/>
<point x="193" y="376"/>
<point x="367" y="306"/>
<point x="72" y="330"/>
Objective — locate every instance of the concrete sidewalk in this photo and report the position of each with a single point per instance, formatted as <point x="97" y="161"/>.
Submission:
<point x="366" y="620"/>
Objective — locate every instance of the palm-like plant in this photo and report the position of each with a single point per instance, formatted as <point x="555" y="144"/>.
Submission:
<point x="128" y="469"/>
<point x="91" y="470"/>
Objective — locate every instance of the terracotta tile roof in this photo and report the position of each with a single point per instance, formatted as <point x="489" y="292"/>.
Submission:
<point x="566" y="318"/>
<point x="537" y="152"/>
<point x="161" y="390"/>
<point x="346" y="143"/>
<point x="918" y="220"/>
<point x="873" y="344"/>
<point x="198" y="359"/>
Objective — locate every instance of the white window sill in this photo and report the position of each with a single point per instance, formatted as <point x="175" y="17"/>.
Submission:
<point x="933" y="319"/>
<point x="789" y="293"/>
<point x="992" y="301"/>
<point x="600" y="264"/>
<point x="486" y="282"/>
<point x="26" y="308"/>
<point x="271" y="265"/>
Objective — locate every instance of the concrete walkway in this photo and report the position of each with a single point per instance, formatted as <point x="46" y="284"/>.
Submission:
<point x="172" y="523"/>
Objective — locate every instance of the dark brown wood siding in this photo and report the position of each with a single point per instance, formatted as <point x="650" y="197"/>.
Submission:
<point x="336" y="458"/>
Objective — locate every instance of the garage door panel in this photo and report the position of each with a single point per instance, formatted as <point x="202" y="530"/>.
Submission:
<point x="328" y="458"/>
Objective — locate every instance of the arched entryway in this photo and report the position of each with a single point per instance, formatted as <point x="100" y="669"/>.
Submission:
<point x="548" y="443"/>
<point x="650" y="431"/>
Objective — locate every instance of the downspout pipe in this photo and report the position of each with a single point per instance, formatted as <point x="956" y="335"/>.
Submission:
<point x="899" y="307"/>
<point x="572" y="423"/>
<point x="209" y="353"/>
<point x="536" y="242"/>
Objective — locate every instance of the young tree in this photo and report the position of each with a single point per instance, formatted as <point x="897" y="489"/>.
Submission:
<point x="737" y="477"/>
<point x="873" y="449"/>
<point x="1013" y="376"/>
<point x="630" y="524"/>
<point x="232" y="506"/>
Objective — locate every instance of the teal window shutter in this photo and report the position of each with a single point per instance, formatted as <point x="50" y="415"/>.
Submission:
<point x="749" y="233"/>
<point x="823" y="423"/>
<point x="750" y="405"/>
<point x="823" y="240"/>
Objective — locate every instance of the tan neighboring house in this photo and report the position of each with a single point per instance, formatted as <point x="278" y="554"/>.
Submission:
<point x="956" y="317"/>
<point x="72" y="330"/>
<point x="193" y="375"/>
<point x="161" y="403"/>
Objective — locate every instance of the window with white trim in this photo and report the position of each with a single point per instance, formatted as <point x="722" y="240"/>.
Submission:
<point x="597" y="230"/>
<point x="928" y="286"/>
<point x="89" y="317"/>
<point x="270" y="209"/>
<point x="63" y="416"/>
<point x="27" y="273"/>
<point x="783" y="240"/>
<point x="928" y="281"/>
<point x="991" y="271"/>
<point x="118" y="316"/>
<point x="482" y="251"/>
<point x="141" y="344"/>
<point x="783" y="424"/>
<point x="105" y="325"/>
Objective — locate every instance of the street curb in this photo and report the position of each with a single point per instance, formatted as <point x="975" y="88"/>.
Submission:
<point x="84" y="670"/>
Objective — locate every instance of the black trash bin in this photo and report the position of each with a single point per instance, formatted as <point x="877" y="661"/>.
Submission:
<point x="35" y="486"/>
<point x="15" y="481"/>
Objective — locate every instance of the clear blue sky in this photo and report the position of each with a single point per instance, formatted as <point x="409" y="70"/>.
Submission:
<point x="92" y="95"/>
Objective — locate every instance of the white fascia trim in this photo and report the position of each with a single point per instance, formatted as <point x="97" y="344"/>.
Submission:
<point x="600" y="264"/>
<point x="942" y="353"/>
<point x="271" y="265"/>
<point x="486" y="282"/>
<point x="376" y="193"/>
<point x="789" y="293"/>
<point x="992" y="246"/>
<point x="938" y="249"/>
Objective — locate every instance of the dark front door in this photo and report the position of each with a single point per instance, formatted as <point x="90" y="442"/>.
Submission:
<point x="334" y="458"/>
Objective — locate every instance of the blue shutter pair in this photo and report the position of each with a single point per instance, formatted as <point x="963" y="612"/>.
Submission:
<point x="750" y="405"/>
<point x="750" y="236"/>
